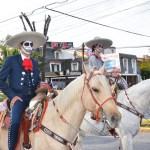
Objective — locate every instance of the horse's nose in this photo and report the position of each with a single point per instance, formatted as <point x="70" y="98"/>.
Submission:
<point x="115" y="119"/>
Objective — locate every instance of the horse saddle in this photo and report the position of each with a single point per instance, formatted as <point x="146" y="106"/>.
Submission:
<point x="4" y="114"/>
<point x="30" y="121"/>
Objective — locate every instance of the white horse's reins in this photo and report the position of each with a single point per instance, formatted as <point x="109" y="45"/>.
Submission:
<point x="132" y="110"/>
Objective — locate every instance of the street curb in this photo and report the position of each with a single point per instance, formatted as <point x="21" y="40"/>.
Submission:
<point x="144" y="129"/>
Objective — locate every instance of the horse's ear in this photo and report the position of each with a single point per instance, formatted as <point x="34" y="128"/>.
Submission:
<point x="102" y="70"/>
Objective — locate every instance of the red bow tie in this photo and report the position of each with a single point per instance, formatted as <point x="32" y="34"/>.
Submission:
<point x="27" y="64"/>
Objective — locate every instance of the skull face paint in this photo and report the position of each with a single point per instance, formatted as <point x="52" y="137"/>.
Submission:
<point x="27" y="47"/>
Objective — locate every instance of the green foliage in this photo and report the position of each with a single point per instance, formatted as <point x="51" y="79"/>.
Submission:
<point x="7" y="52"/>
<point x="38" y="56"/>
<point x="12" y="51"/>
<point x="145" y="69"/>
<point x="2" y="96"/>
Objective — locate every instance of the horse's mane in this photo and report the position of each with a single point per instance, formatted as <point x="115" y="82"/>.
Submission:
<point x="71" y="91"/>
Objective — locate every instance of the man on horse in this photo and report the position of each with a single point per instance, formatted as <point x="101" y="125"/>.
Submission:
<point x="19" y="78"/>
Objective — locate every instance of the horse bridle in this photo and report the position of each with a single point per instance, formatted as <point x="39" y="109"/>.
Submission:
<point x="133" y="110"/>
<point x="100" y="106"/>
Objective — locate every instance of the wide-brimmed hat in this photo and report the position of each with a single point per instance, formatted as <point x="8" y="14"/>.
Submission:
<point x="37" y="38"/>
<point x="105" y="43"/>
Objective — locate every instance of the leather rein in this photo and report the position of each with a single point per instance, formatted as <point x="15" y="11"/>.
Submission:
<point x="133" y="110"/>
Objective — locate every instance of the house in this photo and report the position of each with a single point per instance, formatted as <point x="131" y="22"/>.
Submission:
<point x="63" y="65"/>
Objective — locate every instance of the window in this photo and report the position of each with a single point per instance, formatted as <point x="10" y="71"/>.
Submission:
<point x="133" y="63"/>
<point x="125" y="65"/>
<point x="55" y="67"/>
<point x="74" y="66"/>
<point x="56" y="53"/>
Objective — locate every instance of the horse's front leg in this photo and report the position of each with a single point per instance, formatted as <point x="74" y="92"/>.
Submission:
<point x="127" y="142"/>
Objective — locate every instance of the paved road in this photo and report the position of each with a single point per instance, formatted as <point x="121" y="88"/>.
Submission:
<point x="141" y="142"/>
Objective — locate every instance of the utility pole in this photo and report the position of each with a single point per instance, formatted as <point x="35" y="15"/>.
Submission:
<point x="46" y="27"/>
<point x="83" y="47"/>
<point x="33" y="29"/>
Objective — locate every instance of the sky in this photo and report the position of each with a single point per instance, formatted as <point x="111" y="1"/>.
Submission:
<point x="101" y="16"/>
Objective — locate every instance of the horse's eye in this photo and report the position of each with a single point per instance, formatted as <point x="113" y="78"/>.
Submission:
<point x="95" y="89"/>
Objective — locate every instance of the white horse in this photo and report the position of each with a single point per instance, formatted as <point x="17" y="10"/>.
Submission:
<point x="137" y="100"/>
<point x="64" y="114"/>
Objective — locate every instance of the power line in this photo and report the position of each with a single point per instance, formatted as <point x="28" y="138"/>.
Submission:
<point x="83" y="19"/>
<point x="89" y="21"/>
<point x="123" y="10"/>
<point x="62" y="2"/>
<point x="141" y="46"/>
<point x="84" y="7"/>
<point x="104" y="16"/>
<point x="110" y="14"/>
<point x="42" y="7"/>
<point x="69" y="27"/>
<point x="9" y="19"/>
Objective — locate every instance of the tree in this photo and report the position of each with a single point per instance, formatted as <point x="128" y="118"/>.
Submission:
<point x="145" y="68"/>
<point x="5" y="52"/>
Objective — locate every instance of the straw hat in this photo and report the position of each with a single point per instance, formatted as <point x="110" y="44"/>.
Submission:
<point x="105" y="43"/>
<point x="37" y="38"/>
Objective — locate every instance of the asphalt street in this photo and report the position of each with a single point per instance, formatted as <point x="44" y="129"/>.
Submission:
<point x="141" y="142"/>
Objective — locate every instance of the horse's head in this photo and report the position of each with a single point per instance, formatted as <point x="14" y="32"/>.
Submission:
<point x="98" y="96"/>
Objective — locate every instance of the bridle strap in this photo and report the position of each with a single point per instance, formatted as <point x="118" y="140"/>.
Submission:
<point x="134" y="110"/>
<point x="55" y="136"/>
<point x="109" y="98"/>
<point x="100" y="106"/>
<point x="95" y="100"/>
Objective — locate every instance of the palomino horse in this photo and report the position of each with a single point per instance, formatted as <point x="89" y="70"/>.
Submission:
<point x="134" y="103"/>
<point x="64" y="114"/>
